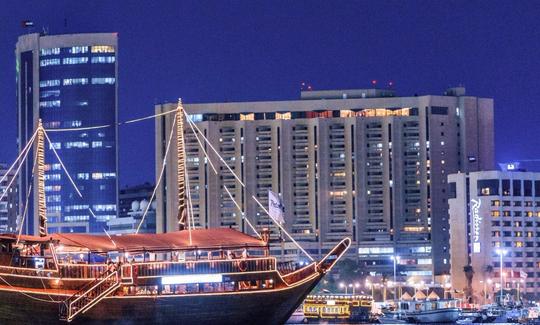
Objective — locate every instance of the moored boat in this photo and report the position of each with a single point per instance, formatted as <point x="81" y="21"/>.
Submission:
<point x="337" y="308"/>
<point x="222" y="277"/>
<point x="429" y="311"/>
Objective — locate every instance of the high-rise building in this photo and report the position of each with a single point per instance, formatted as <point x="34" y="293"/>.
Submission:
<point x="361" y="163"/>
<point x="70" y="81"/>
<point x="495" y="213"/>
<point x="9" y="202"/>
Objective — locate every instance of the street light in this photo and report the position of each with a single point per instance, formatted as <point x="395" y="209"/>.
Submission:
<point x="370" y="285"/>
<point x="342" y="285"/>
<point x="501" y="253"/>
<point x="518" y="292"/>
<point x="489" y="281"/>
<point x="395" y="259"/>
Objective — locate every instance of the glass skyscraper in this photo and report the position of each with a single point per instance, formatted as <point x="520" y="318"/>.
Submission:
<point x="70" y="82"/>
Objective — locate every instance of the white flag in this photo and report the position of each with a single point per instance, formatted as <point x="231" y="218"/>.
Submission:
<point x="275" y="207"/>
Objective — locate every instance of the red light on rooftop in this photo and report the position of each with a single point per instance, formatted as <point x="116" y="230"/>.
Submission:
<point x="373" y="82"/>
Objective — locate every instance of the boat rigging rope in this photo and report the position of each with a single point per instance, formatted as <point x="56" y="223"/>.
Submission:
<point x="109" y="125"/>
<point x="23" y="152"/>
<point x="189" y="210"/>
<point x="160" y="175"/>
<point x="18" y="168"/>
<point x="242" y="212"/>
<point x="25" y="212"/>
<point x="244" y="186"/>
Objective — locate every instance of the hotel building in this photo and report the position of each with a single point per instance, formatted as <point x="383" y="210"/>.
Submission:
<point x="70" y="81"/>
<point x="491" y="212"/>
<point x="360" y="163"/>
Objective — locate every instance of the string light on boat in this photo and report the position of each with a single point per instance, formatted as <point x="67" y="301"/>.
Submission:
<point x="40" y="153"/>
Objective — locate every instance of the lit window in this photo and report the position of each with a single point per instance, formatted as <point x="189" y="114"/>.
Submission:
<point x="75" y="81"/>
<point x="51" y="125"/>
<point x="102" y="49"/>
<point x="83" y="176"/>
<point x="103" y="59"/>
<point x="49" y="83"/>
<point x="97" y="144"/>
<point x="49" y="103"/>
<point x="78" y="49"/>
<point x="49" y="93"/>
<point x="78" y="60"/>
<point x="47" y="62"/>
<point x="73" y="124"/>
<point x="69" y="208"/>
<point x="103" y="81"/>
<point x="104" y="207"/>
<point x="53" y="177"/>
<point x="103" y="175"/>
<point x="54" y="208"/>
<point x="243" y="117"/>
<point x="53" y="198"/>
<point x="77" y="144"/>
<point x="413" y="229"/>
<point x="425" y="261"/>
<point x="55" y="145"/>
<point x="283" y="116"/>
<point x="51" y="51"/>
<point x="76" y="218"/>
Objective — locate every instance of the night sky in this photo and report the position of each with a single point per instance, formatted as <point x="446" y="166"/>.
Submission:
<point x="212" y="51"/>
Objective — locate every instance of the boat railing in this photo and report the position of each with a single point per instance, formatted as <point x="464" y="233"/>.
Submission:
<point x="155" y="269"/>
<point x="287" y="267"/>
<point x="30" y="266"/>
<point x="82" y="271"/>
<point x="300" y="274"/>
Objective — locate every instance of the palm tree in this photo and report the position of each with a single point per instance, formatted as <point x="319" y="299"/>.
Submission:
<point x="489" y="269"/>
<point x="469" y="274"/>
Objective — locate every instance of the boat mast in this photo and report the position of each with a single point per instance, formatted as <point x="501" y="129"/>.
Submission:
<point x="40" y="155"/>
<point x="181" y="173"/>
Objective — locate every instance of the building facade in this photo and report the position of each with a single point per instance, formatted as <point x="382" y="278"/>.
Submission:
<point x="9" y="203"/>
<point x="69" y="82"/>
<point x="133" y="202"/>
<point x="359" y="163"/>
<point x="494" y="212"/>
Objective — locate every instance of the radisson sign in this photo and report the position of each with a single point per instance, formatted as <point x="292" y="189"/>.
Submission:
<point x="476" y="221"/>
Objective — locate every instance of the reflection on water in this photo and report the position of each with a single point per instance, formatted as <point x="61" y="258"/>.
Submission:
<point x="327" y="323"/>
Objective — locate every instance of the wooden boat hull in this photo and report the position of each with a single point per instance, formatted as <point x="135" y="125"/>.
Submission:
<point x="256" y="307"/>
